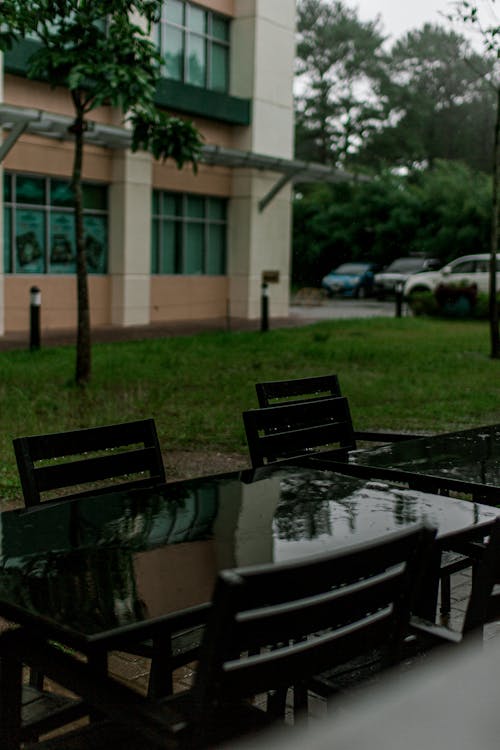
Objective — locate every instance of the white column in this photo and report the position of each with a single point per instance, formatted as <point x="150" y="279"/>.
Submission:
<point x="263" y="48"/>
<point x="130" y="238"/>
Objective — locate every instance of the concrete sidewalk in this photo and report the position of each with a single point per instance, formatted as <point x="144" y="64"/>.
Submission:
<point x="301" y="314"/>
<point x="20" y="340"/>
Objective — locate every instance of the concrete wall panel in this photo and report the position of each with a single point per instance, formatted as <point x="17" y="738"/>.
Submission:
<point x="59" y="304"/>
<point x="188" y="297"/>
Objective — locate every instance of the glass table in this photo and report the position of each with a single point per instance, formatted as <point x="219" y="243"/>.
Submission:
<point x="467" y="461"/>
<point x="101" y="572"/>
<point x="105" y="569"/>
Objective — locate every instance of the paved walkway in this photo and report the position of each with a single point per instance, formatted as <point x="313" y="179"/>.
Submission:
<point x="105" y="334"/>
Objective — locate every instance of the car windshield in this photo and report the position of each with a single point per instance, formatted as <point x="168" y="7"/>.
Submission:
<point x="352" y="268"/>
<point x="405" y="265"/>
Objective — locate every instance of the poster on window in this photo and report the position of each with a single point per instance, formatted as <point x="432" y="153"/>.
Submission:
<point x="62" y="243"/>
<point x="96" y="242"/>
<point x="30" y="242"/>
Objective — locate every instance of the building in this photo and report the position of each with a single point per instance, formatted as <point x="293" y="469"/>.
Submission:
<point x="163" y="244"/>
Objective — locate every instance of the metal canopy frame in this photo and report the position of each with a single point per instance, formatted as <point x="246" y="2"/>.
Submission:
<point x="19" y="120"/>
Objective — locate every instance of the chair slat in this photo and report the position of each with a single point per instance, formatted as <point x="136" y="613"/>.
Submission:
<point x="286" y="665"/>
<point x="322" y="386"/>
<point x="333" y="609"/>
<point x="287" y="430"/>
<point x="96" y="469"/>
<point x="91" y="439"/>
<point x="143" y="454"/>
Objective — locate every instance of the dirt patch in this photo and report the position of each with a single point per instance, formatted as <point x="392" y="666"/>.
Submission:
<point x="187" y="464"/>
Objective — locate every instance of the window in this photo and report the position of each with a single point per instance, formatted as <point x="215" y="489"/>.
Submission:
<point x="39" y="225"/>
<point x="467" y="266"/>
<point x="194" y="43"/>
<point x="188" y="234"/>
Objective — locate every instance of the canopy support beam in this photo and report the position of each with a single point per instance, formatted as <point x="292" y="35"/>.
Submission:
<point x="16" y="132"/>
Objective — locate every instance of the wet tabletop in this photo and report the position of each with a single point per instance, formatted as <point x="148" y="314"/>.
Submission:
<point x="469" y="456"/>
<point x="91" y="568"/>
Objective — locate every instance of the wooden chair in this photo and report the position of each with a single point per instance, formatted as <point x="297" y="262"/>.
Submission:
<point x="303" y="390"/>
<point x="88" y="457"/>
<point x="102" y="454"/>
<point x="275" y="392"/>
<point x="483" y="607"/>
<point x="484" y="601"/>
<point x="273" y="627"/>
<point x="297" y="429"/>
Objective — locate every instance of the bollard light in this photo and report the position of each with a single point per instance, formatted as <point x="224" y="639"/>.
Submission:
<point x="399" y="298"/>
<point x="35" y="305"/>
<point x="264" y="320"/>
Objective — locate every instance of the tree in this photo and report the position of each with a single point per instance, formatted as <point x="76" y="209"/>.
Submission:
<point x="469" y="13"/>
<point x="437" y="103"/>
<point x="339" y="65"/>
<point x="100" y="51"/>
<point x="442" y="212"/>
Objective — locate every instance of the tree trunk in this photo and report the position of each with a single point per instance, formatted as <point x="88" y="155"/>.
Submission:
<point x="493" y="305"/>
<point x="83" y="355"/>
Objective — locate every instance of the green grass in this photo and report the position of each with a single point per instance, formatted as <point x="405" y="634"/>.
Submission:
<point x="403" y="374"/>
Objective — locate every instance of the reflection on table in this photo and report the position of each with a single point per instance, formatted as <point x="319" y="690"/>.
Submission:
<point x="465" y="461"/>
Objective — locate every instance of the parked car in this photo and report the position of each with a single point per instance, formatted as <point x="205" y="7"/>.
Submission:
<point x="464" y="271"/>
<point x="350" y="280"/>
<point x="399" y="271"/>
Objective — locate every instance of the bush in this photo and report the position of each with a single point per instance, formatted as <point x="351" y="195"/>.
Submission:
<point x="482" y="309"/>
<point x="456" y="301"/>
<point x="452" y="302"/>
<point x="423" y="303"/>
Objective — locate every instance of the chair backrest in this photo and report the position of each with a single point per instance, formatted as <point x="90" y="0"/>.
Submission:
<point x="89" y="456"/>
<point x="273" y="392"/>
<point x="297" y="429"/>
<point x="484" y="602"/>
<point x="277" y="625"/>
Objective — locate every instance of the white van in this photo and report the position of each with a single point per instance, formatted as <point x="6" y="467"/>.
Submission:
<point x="464" y="271"/>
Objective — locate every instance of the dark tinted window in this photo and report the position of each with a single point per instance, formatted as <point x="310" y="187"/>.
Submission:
<point x="466" y="266"/>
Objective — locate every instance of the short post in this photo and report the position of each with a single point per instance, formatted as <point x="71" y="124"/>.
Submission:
<point x="264" y="308"/>
<point x="399" y="298"/>
<point x="35" y="304"/>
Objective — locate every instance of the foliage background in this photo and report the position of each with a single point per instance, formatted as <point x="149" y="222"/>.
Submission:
<point x="443" y="212"/>
<point x="416" y="118"/>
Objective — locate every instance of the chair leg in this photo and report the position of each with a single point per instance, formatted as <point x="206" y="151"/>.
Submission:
<point x="160" y="675"/>
<point x="300" y="704"/>
<point x="98" y="662"/>
<point x="445" y="607"/>
<point x="276" y="703"/>
<point x="36" y="679"/>
<point x="10" y="703"/>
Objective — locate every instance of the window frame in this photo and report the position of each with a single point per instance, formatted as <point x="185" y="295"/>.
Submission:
<point x="182" y="220"/>
<point x="210" y="40"/>
<point x="48" y="209"/>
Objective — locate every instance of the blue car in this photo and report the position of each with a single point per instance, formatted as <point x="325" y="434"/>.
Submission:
<point x="350" y="280"/>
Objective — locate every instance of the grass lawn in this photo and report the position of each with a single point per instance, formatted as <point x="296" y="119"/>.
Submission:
<point x="402" y="374"/>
